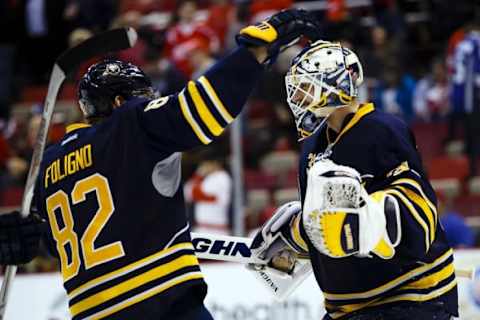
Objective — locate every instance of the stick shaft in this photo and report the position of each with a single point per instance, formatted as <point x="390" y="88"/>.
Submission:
<point x="6" y="287"/>
<point x="56" y="80"/>
<point x="222" y="247"/>
<point x="237" y="249"/>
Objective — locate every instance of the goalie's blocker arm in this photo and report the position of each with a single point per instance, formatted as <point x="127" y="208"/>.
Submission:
<point x="278" y="243"/>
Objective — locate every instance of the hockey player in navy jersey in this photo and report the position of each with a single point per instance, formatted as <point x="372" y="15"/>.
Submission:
<point x="367" y="218"/>
<point x="111" y="190"/>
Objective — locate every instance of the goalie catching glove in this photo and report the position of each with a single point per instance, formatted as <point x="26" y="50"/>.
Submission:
<point x="20" y="237"/>
<point x="341" y="219"/>
<point x="273" y="244"/>
<point x="280" y="31"/>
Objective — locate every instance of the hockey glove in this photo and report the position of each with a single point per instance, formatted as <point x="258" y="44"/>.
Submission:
<point x="341" y="219"/>
<point x="20" y="237"/>
<point x="273" y="244"/>
<point x="280" y="31"/>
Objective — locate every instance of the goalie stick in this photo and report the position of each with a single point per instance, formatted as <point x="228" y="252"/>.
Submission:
<point x="110" y="41"/>
<point x="279" y="284"/>
<point x="237" y="249"/>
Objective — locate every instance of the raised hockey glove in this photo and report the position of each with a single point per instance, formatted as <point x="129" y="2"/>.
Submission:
<point x="20" y="237"/>
<point x="280" y="31"/>
<point x="341" y="219"/>
<point x="273" y="244"/>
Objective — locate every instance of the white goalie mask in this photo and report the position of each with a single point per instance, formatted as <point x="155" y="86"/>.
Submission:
<point x="323" y="77"/>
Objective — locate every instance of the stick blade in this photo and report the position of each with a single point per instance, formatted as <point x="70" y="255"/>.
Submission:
<point x="109" y="41"/>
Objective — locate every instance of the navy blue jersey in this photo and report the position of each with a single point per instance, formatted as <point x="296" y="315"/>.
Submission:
<point x="113" y="197"/>
<point x="382" y="149"/>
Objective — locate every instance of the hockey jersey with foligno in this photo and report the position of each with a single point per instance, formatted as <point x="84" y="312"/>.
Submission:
<point x="113" y="197"/>
<point x="383" y="150"/>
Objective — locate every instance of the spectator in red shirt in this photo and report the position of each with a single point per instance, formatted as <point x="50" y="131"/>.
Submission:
<point x="261" y="9"/>
<point x="210" y="191"/>
<point x="220" y="15"/>
<point x="179" y="35"/>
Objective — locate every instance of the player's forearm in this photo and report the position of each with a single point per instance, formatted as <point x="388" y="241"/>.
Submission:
<point x="234" y="77"/>
<point x="200" y="113"/>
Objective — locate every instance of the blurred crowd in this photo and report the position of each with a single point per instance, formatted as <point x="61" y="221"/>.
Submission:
<point x="411" y="51"/>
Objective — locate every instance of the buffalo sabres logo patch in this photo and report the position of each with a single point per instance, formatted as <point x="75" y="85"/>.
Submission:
<point x="112" y="69"/>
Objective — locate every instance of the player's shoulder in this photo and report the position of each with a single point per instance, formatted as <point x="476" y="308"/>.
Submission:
<point x="76" y="133"/>
<point x="132" y="104"/>
<point x="381" y="123"/>
<point x="139" y="104"/>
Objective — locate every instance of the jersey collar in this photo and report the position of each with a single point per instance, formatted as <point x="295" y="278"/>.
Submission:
<point x="76" y="126"/>
<point x="362" y="111"/>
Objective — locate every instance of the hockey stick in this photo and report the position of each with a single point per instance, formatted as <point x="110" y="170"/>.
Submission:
<point x="110" y="41"/>
<point x="237" y="249"/>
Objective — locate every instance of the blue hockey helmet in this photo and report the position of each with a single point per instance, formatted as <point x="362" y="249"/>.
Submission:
<point x="106" y="80"/>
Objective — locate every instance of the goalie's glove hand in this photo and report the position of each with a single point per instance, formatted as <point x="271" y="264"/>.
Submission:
<point x="20" y="237"/>
<point x="271" y="245"/>
<point x="372" y="228"/>
<point x="280" y="31"/>
<point x="342" y="219"/>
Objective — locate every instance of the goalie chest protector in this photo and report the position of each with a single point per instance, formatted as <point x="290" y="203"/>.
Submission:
<point x="382" y="149"/>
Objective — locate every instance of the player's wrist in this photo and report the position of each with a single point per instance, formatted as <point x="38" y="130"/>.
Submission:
<point x="260" y="53"/>
<point x="277" y="33"/>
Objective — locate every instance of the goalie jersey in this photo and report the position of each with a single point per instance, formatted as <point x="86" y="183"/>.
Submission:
<point x="383" y="150"/>
<point x="113" y="197"/>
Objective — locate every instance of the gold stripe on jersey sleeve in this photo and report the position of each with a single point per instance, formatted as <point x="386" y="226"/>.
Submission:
<point x="417" y="186"/>
<point x="420" y="201"/>
<point x="414" y="213"/>
<point x="215" y="99"/>
<point x="417" y="297"/>
<point x="296" y="236"/>
<point x="425" y="283"/>
<point x="129" y="268"/>
<point x="432" y="279"/>
<point x="146" y="294"/>
<point x="391" y="284"/>
<point x="207" y="117"/>
<point x="191" y="121"/>
<point x="135" y="282"/>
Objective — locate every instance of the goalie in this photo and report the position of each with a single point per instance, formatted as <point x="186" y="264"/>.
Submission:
<point x="367" y="218"/>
